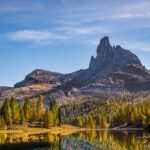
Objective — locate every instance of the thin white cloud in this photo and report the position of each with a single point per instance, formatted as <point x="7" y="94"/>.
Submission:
<point x="61" y="33"/>
<point x="132" y="15"/>
<point x="81" y="30"/>
<point x="35" y="36"/>
<point x="89" y="30"/>
<point x="131" y="10"/>
<point x="114" y="10"/>
<point x="86" y="22"/>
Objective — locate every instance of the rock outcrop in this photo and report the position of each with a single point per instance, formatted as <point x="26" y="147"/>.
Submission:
<point x="114" y="56"/>
<point x="114" y="69"/>
<point x="39" y="76"/>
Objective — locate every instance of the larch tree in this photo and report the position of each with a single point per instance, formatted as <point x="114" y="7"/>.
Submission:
<point x="79" y="122"/>
<point x="22" y="117"/>
<point x="104" y="123"/>
<point x="40" y="108"/>
<point x="59" y="117"/>
<point x="54" y="107"/>
<point x="91" y="123"/>
<point x="48" y="119"/>
<point x="33" y="109"/>
<point x="27" y="109"/>
<point x="6" y="110"/>
<point x="14" y="110"/>
<point x="2" y="123"/>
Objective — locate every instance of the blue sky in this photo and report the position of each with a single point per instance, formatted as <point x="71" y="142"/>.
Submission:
<point x="61" y="35"/>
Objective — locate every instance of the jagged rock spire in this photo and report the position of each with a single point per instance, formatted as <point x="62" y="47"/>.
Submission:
<point x="112" y="55"/>
<point x="104" y="49"/>
<point x="105" y="41"/>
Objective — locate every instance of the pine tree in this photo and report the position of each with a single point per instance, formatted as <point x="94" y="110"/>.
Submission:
<point x="79" y="122"/>
<point x="2" y="123"/>
<point x="12" y="106"/>
<point x="40" y="108"/>
<point x="17" y="114"/>
<point x="55" y="108"/>
<point x="6" y="112"/>
<point x="59" y="117"/>
<point x="48" y="119"/>
<point x="22" y="116"/>
<point x="99" y="121"/>
<point x="91" y="122"/>
<point x="104" y="123"/>
<point x="27" y="109"/>
<point x="14" y="110"/>
<point x="51" y="119"/>
<point x="33" y="109"/>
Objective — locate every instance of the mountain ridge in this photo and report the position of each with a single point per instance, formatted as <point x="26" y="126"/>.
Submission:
<point x="113" y="70"/>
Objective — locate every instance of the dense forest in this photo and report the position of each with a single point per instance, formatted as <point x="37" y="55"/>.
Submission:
<point x="113" y="112"/>
<point x="31" y="113"/>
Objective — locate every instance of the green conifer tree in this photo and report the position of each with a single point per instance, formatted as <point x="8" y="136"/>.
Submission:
<point x="91" y="123"/>
<point x="14" y="110"/>
<point x="54" y="109"/>
<point x="27" y="109"/>
<point x="48" y="119"/>
<point x="79" y="122"/>
<point x="22" y="120"/>
<point x="3" y="125"/>
<point x="6" y="112"/>
<point x="33" y="109"/>
<point x="40" y="108"/>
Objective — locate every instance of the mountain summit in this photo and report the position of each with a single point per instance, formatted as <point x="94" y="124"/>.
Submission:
<point x="113" y="70"/>
<point x="115" y="56"/>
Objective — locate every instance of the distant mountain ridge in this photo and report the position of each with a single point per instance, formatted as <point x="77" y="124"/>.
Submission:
<point x="113" y="70"/>
<point x="39" y="76"/>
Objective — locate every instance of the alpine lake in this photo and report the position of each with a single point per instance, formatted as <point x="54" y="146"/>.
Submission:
<point x="82" y="140"/>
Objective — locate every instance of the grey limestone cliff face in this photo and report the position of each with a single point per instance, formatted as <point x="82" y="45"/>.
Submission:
<point x="114" y="56"/>
<point x="113" y="69"/>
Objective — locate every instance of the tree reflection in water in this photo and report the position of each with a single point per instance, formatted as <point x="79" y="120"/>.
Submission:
<point x="108" y="140"/>
<point x="92" y="140"/>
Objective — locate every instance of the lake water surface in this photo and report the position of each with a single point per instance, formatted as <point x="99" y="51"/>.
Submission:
<point x="86" y="140"/>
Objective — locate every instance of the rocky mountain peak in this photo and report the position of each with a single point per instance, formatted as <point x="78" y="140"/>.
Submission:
<point x="104" y="47"/>
<point x="105" y="41"/>
<point x="108" y="55"/>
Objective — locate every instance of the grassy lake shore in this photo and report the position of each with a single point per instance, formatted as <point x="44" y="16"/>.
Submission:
<point x="63" y="130"/>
